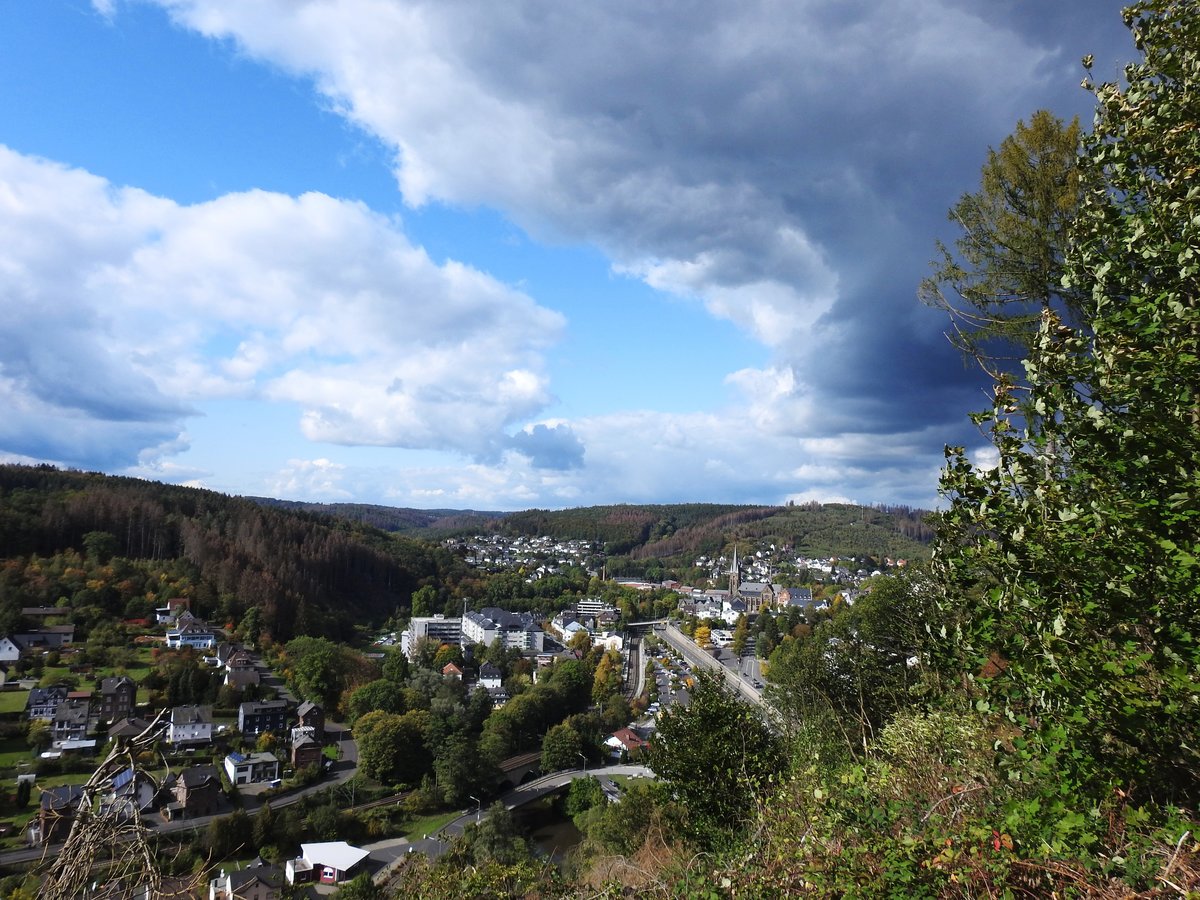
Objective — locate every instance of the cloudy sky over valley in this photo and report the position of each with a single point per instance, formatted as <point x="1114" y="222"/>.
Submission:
<point x="499" y="255"/>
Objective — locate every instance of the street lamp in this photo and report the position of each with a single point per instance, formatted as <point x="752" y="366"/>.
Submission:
<point x="478" y="807"/>
<point x="584" y="758"/>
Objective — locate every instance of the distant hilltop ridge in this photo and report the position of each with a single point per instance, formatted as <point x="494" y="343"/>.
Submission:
<point x="662" y="531"/>
<point x="637" y="532"/>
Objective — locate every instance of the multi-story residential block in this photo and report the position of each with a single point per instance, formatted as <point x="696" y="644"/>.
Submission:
<point x="436" y="628"/>
<point x="513" y="629"/>
<point x="258" y="716"/>
<point x="71" y="721"/>
<point x="306" y="750"/>
<point x="311" y="716"/>
<point x="197" y="793"/>
<point x="117" y="698"/>
<point x="56" y="814"/>
<point x="194" y="634"/>
<point x="190" y="725"/>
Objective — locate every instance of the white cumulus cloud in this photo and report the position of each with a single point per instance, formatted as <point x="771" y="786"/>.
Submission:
<point x="125" y="312"/>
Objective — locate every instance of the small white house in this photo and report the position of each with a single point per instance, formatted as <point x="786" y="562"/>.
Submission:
<point x="331" y="862"/>
<point x="252" y="769"/>
<point x="9" y="651"/>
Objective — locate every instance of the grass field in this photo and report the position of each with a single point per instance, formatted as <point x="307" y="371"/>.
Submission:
<point x="429" y="824"/>
<point x="13" y="701"/>
<point x="14" y="751"/>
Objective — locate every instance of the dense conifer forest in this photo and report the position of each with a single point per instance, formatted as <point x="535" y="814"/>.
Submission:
<point x="301" y="571"/>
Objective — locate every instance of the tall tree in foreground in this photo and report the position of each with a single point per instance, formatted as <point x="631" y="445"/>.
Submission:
<point x="717" y="757"/>
<point x="855" y="670"/>
<point x="1007" y="265"/>
<point x="1086" y="534"/>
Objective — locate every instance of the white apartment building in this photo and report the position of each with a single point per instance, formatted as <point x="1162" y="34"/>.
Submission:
<point x="437" y="628"/>
<point x="519" y="630"/>
<point x="190" y="725"/>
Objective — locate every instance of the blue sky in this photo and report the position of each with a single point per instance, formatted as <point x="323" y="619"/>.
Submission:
<point x="503" y="255"/>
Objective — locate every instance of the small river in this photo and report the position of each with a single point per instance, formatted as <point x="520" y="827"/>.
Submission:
<point x="551" y="832"/>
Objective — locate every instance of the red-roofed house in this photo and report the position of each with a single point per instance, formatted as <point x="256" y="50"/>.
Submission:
<point x="624" y="742"/>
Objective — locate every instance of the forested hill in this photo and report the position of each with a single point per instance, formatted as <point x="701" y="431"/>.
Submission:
<point x="427" y="523"/>
<point x="666" y="532"/>
<point x="679" y="530"/>
<point x="113" y="547"/>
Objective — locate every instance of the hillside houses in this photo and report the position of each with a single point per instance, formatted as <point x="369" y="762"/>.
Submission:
<point x="197" y="791"/>
<point x="43" y="702"/>
<point x="49" y="637"/>
<point x="193" y="634"/>
<point x="56" y="814"/>
<point x="539" y="556"/>
<point x="258" y="716"/>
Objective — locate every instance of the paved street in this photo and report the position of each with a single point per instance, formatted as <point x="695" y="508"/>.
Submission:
<point x="740" y="682"/>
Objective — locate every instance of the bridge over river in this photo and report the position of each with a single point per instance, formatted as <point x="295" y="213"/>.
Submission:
<point x="390" y="854"/>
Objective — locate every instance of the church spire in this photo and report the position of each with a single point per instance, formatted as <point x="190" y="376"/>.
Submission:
<point x="734" y="586"/>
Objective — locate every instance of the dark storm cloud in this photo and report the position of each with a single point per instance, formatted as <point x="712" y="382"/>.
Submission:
<point x="788" y="165"/>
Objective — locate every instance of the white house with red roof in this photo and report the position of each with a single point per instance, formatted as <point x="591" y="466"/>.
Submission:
<point x="624" y="742"/>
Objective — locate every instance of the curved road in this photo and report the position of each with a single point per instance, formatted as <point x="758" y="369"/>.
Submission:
<point x="389" y="853"/>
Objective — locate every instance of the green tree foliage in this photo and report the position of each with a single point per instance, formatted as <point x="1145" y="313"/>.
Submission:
<point x="100" y="546"/>
<point x="391" y="748"/>
<point x="19" y="887"/>
<point x="424" y="601"/>
<point x="38" y="736"/>
<point x="226" y="554"/>
<point x="323" y="821"/>
<point x="446" y="654"/>
<point x="1007" y="266"/>
<point x="24" y="789"/>
<point x="460" y="771"/>
<point x="226" y="836"/>
<point x="361" y="887"/>
<point x="583" y="794"/>
<point x="380" y="694"/>
<point x="768" y="635"/>
<point x="450" y="879"/>
<point x="580" y="642"/>
<point x="263" y="829"/>
<point x="562" y="749"/>
<point x="318" y="668"/>
<point x="395" y="667"/>
<point x="857" y="668"/>
<point x="616" y="712"/>
<point x="1084" y="540"/>
<point x="623" y="827"/>
<point x="717" y="756"/>
<point x="496" y="839"/>
<point x="519" y="725"/>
